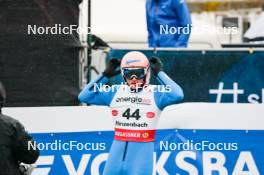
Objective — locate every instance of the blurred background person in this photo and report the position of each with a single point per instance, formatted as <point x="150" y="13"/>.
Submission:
<point x="168" y="23"/>
<point x="13" y="142"/>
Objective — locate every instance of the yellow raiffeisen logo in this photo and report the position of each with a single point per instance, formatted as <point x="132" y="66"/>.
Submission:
<point x="145" y="135"/>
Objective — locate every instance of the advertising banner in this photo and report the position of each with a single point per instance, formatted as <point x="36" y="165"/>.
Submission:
<point x="191" y="139"/>
<point x="181" y="152"/>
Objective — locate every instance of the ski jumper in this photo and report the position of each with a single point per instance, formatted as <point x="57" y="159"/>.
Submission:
<point x="135" y="115"/>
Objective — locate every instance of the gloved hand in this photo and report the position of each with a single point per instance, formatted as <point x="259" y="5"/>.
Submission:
<point x="111" y="68"/>
<point x="156" y="65"/>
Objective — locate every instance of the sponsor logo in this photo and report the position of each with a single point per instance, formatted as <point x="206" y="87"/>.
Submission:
<point x="145" y="135"/>
<point x="220" y="156"/>
<point x="150" y="114"/>
<point x="146" y="101"/>
<point x="114" y="112"/>
<point x="134" y="100"/>
<point x="132" y="61"/>
<point x="131" y="124"/>
<point x="165" y="162"/>
<point x="129" y="99"/>
<point x="127" y="134"/>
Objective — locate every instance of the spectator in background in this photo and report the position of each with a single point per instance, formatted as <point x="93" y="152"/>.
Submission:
<point x="13" y="143"/>
<point x="168" y="23"/>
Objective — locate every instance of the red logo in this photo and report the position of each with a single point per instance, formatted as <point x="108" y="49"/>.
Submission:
<point x="150" y="114"/>
<point x="145" y="135"/>
<point x="114" y="112"/>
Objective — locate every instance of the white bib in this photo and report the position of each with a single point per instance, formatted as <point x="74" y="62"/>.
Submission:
<point x="135" y="114"/>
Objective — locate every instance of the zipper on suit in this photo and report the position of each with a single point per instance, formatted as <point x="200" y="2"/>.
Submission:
<point x="125" y="151"/>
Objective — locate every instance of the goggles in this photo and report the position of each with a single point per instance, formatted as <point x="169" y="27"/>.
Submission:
<point x="138" y="73"/>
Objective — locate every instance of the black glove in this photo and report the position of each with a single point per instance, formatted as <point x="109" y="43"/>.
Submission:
<point x="156" y="65"/>
<point x="111" y="68"/>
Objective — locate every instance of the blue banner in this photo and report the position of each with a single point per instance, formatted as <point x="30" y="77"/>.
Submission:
<point x="224" y="76"/>
<point x="180" y="152"/>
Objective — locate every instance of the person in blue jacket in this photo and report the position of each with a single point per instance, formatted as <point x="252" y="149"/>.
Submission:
<point x="135" y="107"/>
<point x="168" y="23"/>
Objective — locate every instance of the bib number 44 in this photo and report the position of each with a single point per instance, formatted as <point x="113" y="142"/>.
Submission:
<point x="128" y="114"/>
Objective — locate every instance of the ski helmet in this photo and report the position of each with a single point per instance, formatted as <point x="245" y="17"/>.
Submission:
<point x="135" y="63"/>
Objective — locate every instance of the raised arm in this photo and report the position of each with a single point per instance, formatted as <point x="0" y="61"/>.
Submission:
<point x="94" y="93"/>
<point x="171" y="92"/>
